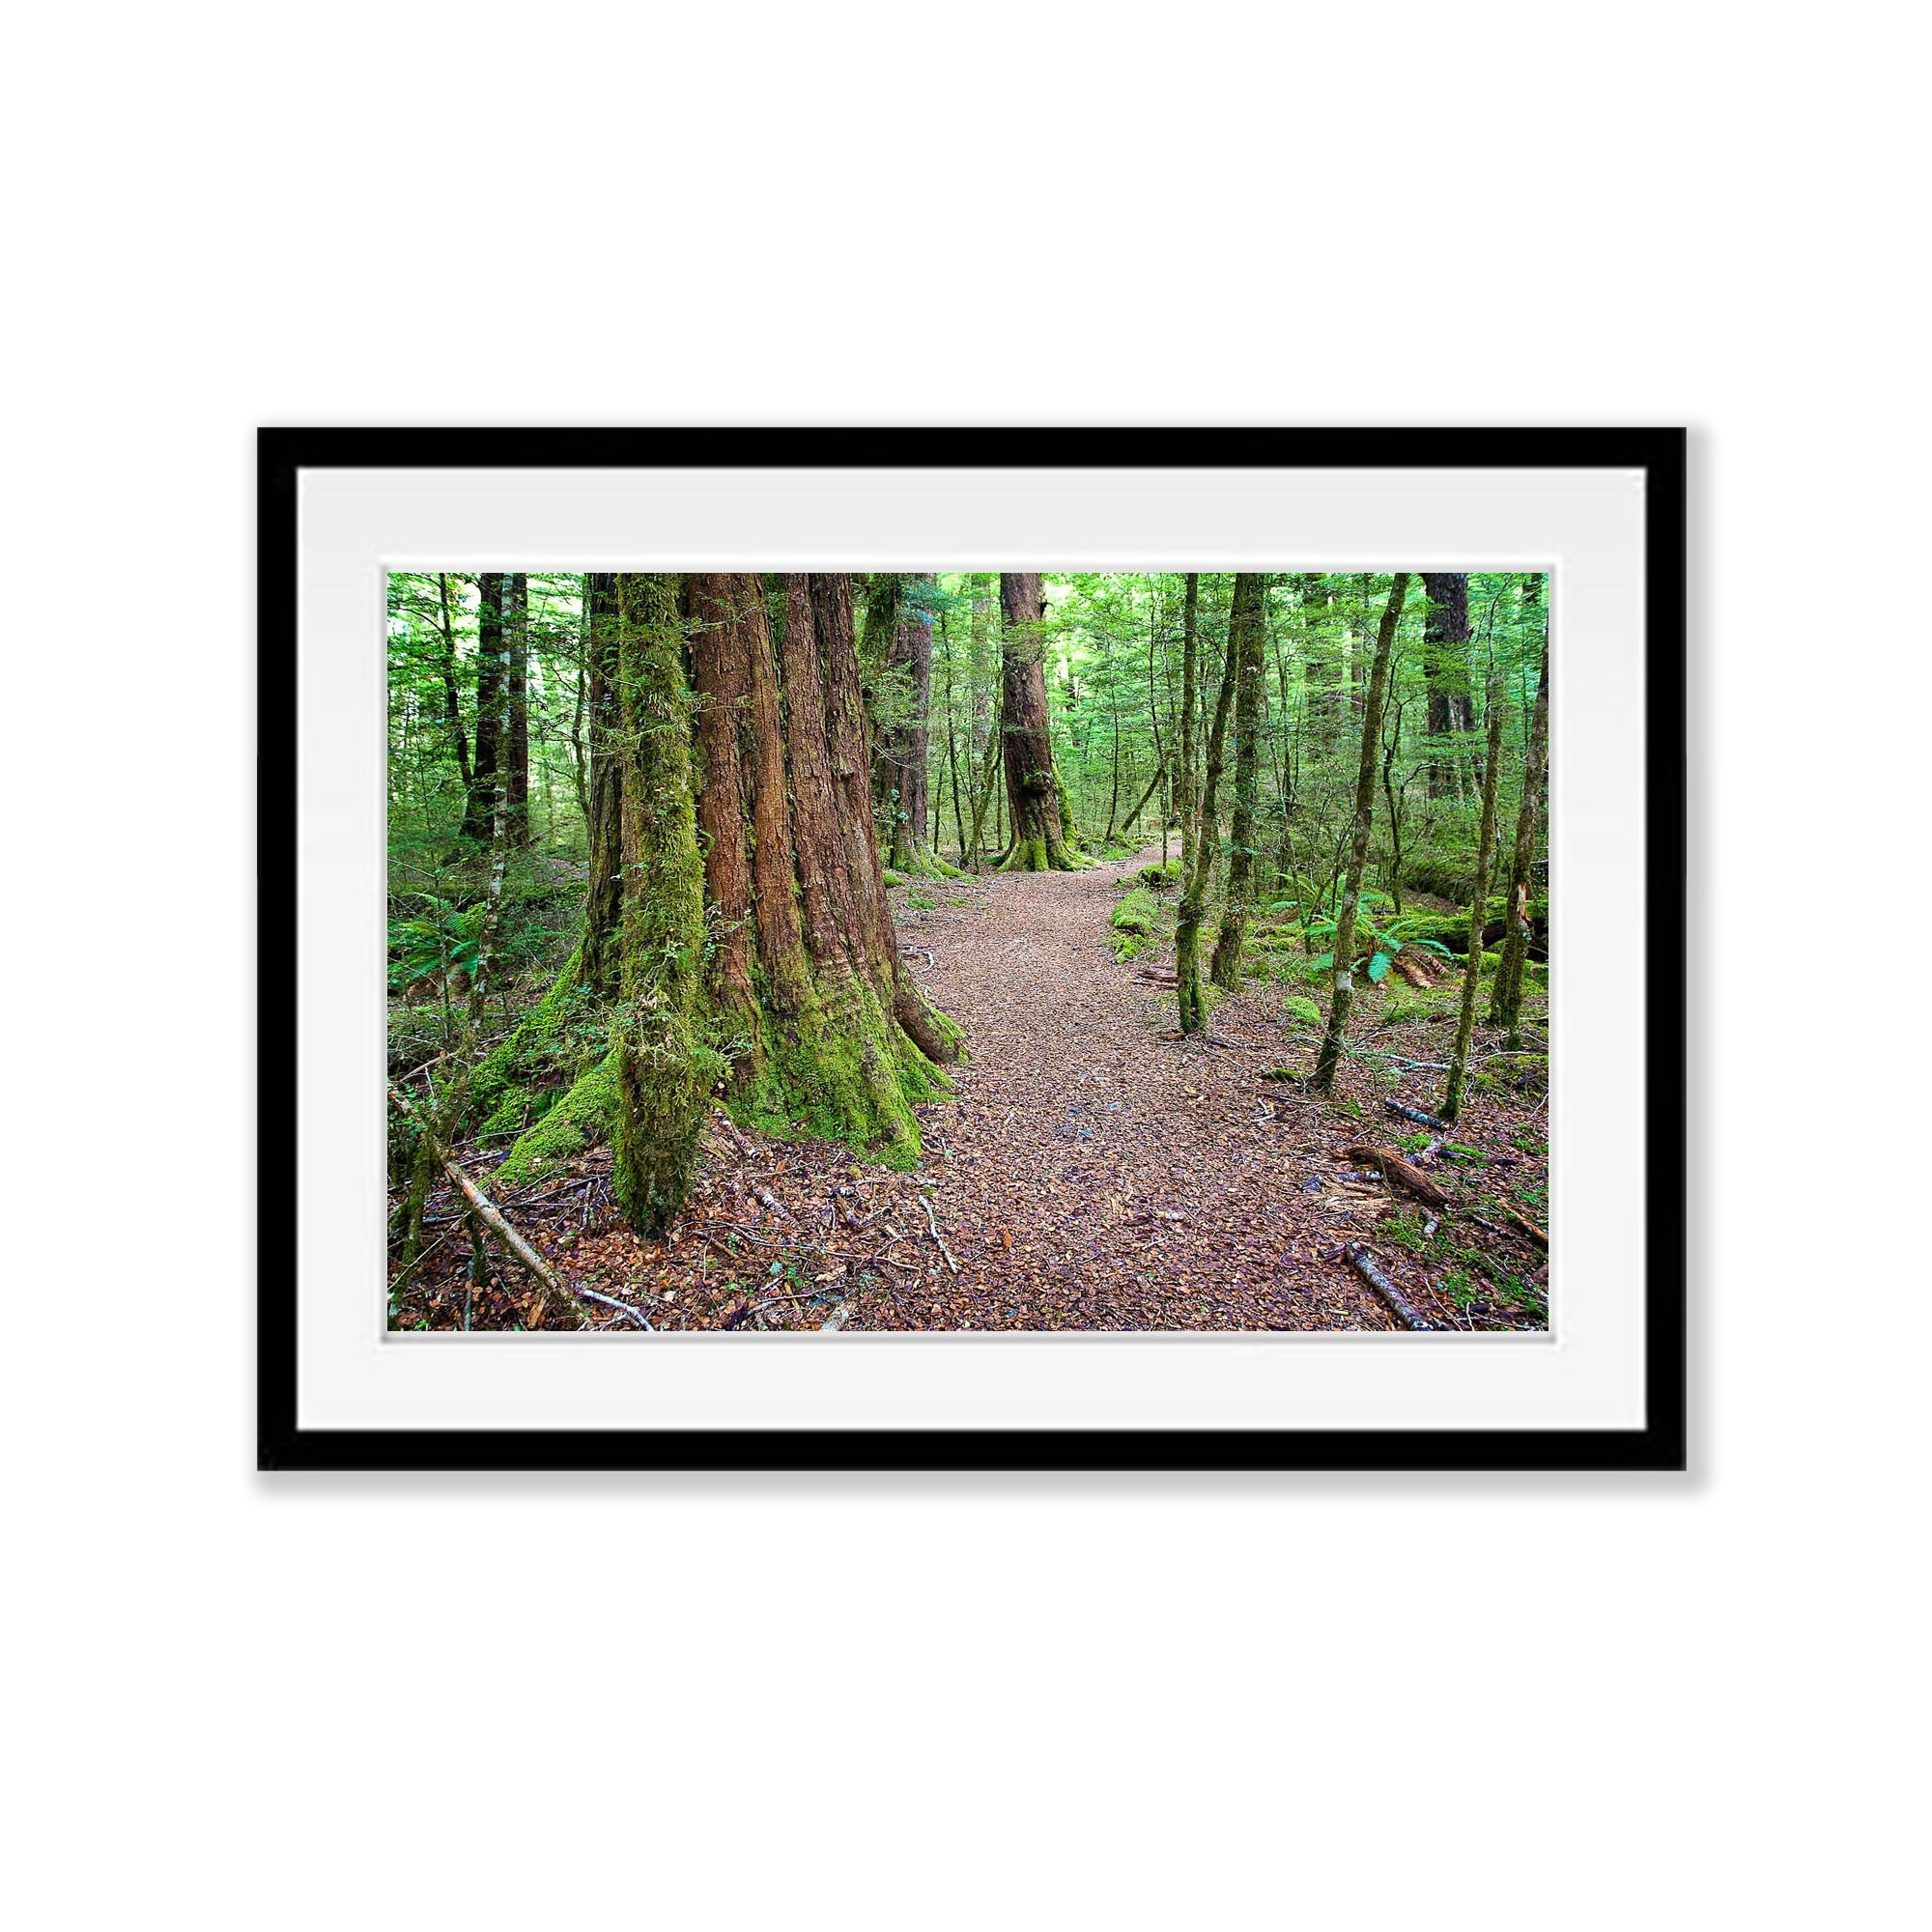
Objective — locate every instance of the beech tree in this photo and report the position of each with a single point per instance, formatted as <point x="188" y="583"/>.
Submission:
<point x="1040" y="837"/>
<point x="1246" y="634"/>
<point x="1506" y="1003"/>
<point x="1472" y="973"/>
<point x="1343" y="984"/>
<point x="480" y="811"/>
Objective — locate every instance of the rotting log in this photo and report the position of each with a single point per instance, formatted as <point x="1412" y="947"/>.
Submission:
<point x="1395" y="1168"/>
<point x="1392" y="1297"/>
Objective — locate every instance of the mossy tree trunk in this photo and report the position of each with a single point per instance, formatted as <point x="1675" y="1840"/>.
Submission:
<point x="1033" y="799"/>
<point x="1190" y="678"/>
<point x="517" y="707"/>
<point x="1343" y="995"/>
<point x="1445" y="669"/>
<point x="1506" y="1003"/>
<point x="1472" y="971"/>
<point x="791" y="995"/>
<point x="824" y="1030"/>
<point x="480" y="805"/>
<point x="1200" y="873"/>
<point x="604" y="789"/>
<point x="1247" y="626"/>
<point x="660" y="1088"/>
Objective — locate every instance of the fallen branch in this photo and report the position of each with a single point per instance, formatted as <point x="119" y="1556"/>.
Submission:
<point x="1395" y="1168"/>
<point x="1417" y="1116"/>
<point x="771" y="1203"/>
<point x="952" y="1264"/>
<point x="488" y="1212"/>
<point x="1393" y="1298"/>
<point x="622" y="1307"/>
<point x="730" y="1127"/>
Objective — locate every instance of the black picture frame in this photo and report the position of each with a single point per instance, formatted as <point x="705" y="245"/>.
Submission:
<point x="1660" y="1445"/>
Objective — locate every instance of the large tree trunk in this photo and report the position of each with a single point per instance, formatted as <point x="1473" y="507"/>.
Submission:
<point x="660" y="1089"/>
<point x="1506" y="1004"/>
<point x="1445" y="669"/>
<point x="1033" y="787"/>
<point x="1472" y="971"/>
<point x="793" y="966"/>
<point x="1247" y="631"/>
<point x="517" y="702"/>
<point x="1343" y="996"/>
<point x="480" y="807"/>
<point x="1200" y="877"/>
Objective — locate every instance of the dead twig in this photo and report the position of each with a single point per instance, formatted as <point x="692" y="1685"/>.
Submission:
<point x="1392" y="1297"/>
<point x="952" y="1264"/>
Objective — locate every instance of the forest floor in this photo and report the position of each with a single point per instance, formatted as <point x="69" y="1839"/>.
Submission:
<point x="1091" y="1171"/>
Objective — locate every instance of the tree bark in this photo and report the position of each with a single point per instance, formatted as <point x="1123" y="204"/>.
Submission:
<point x="1472" y="972"/>
<point x="1247" y="631"/>
<point x="452" y="704"/>
<point x="1033" y="791"/>
<point x="517" y="707"/>
<point x="480" y="807"/>
<point x="1200" y="875"/>
<point x="905" y="794"/>
<point x="598" y="958"/>
<point x="1445" y="670"/>
<point x="660" y="1089"/>
<point x="1342" y="998"/>
<point x="1506" y="1004"/>
<point x="1184" y="793"/>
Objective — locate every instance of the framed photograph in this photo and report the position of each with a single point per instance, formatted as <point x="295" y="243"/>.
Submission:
<point x="972" y="948"/>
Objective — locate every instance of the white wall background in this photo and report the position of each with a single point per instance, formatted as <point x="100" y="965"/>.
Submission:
<point x="878" y="1703"/>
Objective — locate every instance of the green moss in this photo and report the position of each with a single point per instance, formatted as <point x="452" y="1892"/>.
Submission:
<point x="584" y="1118"/>
<point x="1136" y="913"/>
<point x="540" y="1045"/>
<point x="922" y="902"/>
<point x="1158" y="876"/>
<point x="1302" y="1010"/>
<point x="892" y="878"/>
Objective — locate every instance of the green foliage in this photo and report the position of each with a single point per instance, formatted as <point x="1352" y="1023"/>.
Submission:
<point x="1303" y="1011"/>
<point x="436" y="943"/>
<point x="922" y="902"/>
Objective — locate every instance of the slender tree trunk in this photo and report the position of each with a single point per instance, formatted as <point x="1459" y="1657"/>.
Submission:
<point x="904" y="750"/>
<point x="1247" y="631"/>
<point x="517" y="654"/>
<point x="953" y="742"/>
<point x="1190" y="674"/>
<point x="1321" y="673"/>
<point x="1033" y="793"/>
<point x="452" y="704"/>
<point x="1342" y="998"/>
<point x="1200" y="872"/>
<point x="984" y="789"/>
<point x="1445" y="670"/>
<point x="1506" y="1004"/>
<point x="480" y="808"/>
<point x="598" y="961"/>
<point x="1472" y="974"/>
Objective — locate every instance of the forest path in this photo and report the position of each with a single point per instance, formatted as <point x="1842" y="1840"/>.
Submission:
<point x="1095" y="1172"/>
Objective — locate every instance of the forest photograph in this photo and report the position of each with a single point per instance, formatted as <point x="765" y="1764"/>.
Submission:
<point x="941" y="950"/>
